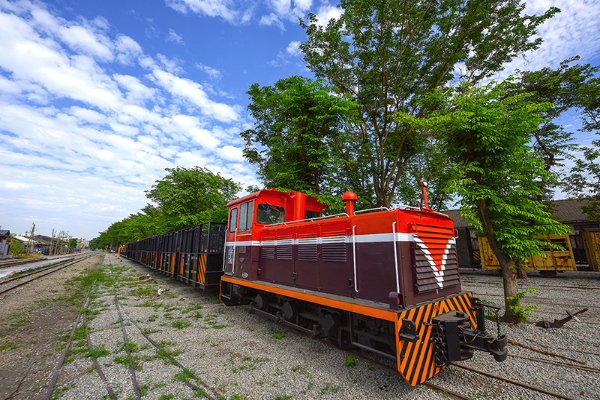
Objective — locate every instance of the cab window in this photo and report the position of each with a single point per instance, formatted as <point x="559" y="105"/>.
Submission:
<point x="246" y="211"/>
<point x="233" y="220"/>
<point x="311" y="214"/>
<point x="269" y="214"/>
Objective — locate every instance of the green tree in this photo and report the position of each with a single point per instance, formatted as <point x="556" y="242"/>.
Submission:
<point x="583" y="181"/>
<point x="298" y="141"/>
<point x="191" y="196"/>
<point x="486" y="132"/>
<point x="387" y="54"/>
<point x="567" y="88"/>
<point x="72" y="243"/>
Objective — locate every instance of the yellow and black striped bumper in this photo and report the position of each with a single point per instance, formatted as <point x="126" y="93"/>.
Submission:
<point x="416" y="361"/>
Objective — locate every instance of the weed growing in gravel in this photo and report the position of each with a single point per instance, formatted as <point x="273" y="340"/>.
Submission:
<point x="144" y="389"/>
<point x="184" y="376"/>
<point x="278" y="335"/>
<point x="148" y="331"/>
<point x="79" y="333"/>
<point x="200" y="393"/>
<point x="522" y="313"/>
<point x="146" y="304"/>
<point x="179" y="324"/>
<point x="164" y="355"/>
<point x="59" y="390"/>
<point x="144" y="292"/>
<point x="97" y="351"/>
<point x="124" y="360"/>
<point x="350" y="361"/>
<point x="152" y="318"/>
<point x="7" y="346"/>
<point x="301" y="370"/>
<point x="197" y="315"/>
<point x="191" y="308"/>
<point x="19" y="319"/>
<point x="133" y="347"/>
<point x="284" y="397"/>
<point x="167" y="315"/>
<point x="166" y="397"/>
<point x="371" y="368"/>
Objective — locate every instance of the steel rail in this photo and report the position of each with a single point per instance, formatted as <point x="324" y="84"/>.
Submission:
<point x="136" y="389"/>
<point x="40" y="276"/>
<point x="514" y="382"/>
<point x="589" y="369"/>
<point x="111" y="393"/>
<point x="189" y="384"/>
<point x="35" y="271"/>
<point x="446" y="392"/>
<point x="64" y="352"/>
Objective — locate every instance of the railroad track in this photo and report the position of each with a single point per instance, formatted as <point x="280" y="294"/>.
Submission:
<point x="212" y="395"/>
<point x="585" y="287"/>
<point x="18" y="281"/>
<point x="66" y="349"/>
<point x="454" y="395"/>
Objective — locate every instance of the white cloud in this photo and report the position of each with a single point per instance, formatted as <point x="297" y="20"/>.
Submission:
<point x="213" y="73"/>
<point x="174" y="37"/>
<point x="171" y="65"/>
<point x="210" y="8"/>
<point x="71" y="118"/>
<point x="573" y="31"/>
<point x="272" y="20"/>
<point x="231" y="153"/>
<point x="192" y="92"/>
<point x="293" y="48"/>
<point x="326" y="13"/>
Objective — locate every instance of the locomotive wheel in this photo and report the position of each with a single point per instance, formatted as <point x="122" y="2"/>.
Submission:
<point x="340" y="338"/>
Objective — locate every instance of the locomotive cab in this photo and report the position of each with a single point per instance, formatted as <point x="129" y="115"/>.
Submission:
<point x="249" y="215"/>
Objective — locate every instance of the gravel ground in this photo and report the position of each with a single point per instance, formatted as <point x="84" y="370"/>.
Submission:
<point x="241" y="355"/>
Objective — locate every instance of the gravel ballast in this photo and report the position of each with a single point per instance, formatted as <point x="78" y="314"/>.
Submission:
<point x="241" y="355"/>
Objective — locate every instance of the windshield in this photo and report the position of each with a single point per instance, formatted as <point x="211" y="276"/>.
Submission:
<point x="268" y="214"/>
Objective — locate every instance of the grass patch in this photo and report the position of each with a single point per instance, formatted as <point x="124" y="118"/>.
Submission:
<point x="191" y="308"/>
<point x="152" y="318"/>
<point x="97" y="351"/>
<point x="166" y="397"/>
<point x="125" y="361"/>
<point x="7" y="346"/>
<point x="181" y="324"/>
<point x="184" y="376"/>
<point x="278" y="335"/>
<point x="350" y="361"/>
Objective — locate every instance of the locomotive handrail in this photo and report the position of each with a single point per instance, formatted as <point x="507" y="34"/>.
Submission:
<point x="307" y="219"/>
<point x="396" y="258"/>
<point x="354" y="255"/>
<point x="372" y="209"/>
<point x="396" y="206"/>
<point x="246" y="234"/>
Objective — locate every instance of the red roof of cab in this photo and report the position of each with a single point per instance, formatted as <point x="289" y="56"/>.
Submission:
<point x="273" y="193"/>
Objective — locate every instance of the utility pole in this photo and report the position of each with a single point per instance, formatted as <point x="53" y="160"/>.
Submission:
<point x="30" y="243"/>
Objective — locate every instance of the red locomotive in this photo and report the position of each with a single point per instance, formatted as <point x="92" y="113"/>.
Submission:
<point x="383" y="280"/>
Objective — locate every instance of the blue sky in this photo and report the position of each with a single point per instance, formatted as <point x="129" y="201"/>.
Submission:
<point x="98" y="97"/>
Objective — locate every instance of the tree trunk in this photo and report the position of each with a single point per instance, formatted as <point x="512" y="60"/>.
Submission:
<point x="509" y="277"/>
<point x="520" y="267"/>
